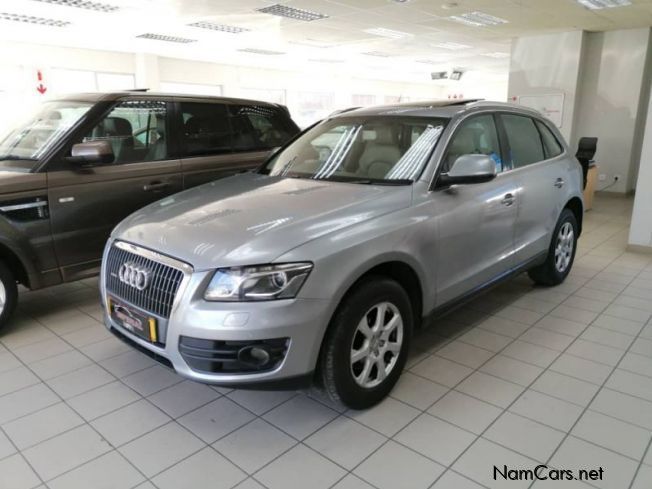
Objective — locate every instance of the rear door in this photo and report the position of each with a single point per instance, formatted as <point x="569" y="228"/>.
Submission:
<point x="540" y="171"/>
<point x="219" y="139"/>
<point x="86" y="203"/>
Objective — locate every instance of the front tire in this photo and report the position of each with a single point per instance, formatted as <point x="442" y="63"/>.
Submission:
<point x="367" y="343"/>
<point x="8" y="294"/>
<point x="561" y="253"/>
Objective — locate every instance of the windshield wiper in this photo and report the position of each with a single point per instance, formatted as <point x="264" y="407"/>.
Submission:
<point x="15" y="157"/>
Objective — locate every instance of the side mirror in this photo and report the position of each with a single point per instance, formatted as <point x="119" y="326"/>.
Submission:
<point x="469" y="169"/>
<point x="92" y="152"/>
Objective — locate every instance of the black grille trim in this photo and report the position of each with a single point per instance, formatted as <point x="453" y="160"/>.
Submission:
<point x="158" y="297"/>
<point x="218" y="356"/>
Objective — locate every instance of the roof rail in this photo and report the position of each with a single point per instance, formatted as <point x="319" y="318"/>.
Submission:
<point x="463" y="101"/>
<point x="342" y="111"/>
<point x="138" y="90"/>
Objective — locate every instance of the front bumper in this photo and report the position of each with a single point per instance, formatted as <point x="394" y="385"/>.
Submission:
<point x="301" y="321"/>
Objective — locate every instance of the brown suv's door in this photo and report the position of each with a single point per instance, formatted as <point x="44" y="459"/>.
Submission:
<point x="219" y="139"/>
<point x="86" y="203"/>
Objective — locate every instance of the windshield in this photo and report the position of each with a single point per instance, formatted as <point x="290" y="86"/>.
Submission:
<point x="30" y="139"/>
<point x="389" y="150"/>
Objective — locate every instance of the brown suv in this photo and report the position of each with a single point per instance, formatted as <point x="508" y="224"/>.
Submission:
<point x="79" y="165"/>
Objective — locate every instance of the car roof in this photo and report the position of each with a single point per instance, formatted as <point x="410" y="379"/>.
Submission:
<point x="435" y="108"/>
<point x="94" y="97"/>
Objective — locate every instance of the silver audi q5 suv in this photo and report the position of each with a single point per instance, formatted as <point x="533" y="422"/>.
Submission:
<point x="317" y="268"/>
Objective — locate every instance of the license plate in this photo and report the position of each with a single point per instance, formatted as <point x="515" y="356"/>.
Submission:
<point x="132" y="320"/>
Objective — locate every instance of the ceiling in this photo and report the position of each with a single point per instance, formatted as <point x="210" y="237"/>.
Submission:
<point x="423" y="36"/>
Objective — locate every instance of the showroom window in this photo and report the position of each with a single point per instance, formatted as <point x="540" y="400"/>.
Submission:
<point x="361" y="100"/>
<point x="137" y="130"/>
<point x="524" y="140"/>
<point x="272" y="95"/>
<point x="312" y="106"/>
<point x="257" y="127"/>
<point x="476" y="135"/>
<point x="206" y="129"/>
<point x="551" y="146"/>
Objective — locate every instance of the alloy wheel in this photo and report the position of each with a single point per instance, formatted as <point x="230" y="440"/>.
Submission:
<point x="564" y="247"/>
<point x="376" y="345"/>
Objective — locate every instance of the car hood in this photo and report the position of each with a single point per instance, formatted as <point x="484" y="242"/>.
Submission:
<point x="252" y="219"/>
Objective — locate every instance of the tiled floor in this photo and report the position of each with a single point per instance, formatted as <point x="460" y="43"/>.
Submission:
<point x="519" y="377"/>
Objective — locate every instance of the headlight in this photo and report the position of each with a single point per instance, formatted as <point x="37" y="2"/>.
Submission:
<point x="259" y="283"/>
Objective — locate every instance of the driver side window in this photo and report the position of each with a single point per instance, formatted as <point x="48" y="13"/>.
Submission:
<point x="476" y="135"/>
<point x="136" y="129"/>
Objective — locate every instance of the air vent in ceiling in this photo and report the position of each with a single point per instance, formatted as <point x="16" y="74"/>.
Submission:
<point x="478" y="19"/>
<point x="266" y="52"/>
<point x="600" y="4"/>
<point x="97" y="6"/>
<point x="292" y="13"/>
<point x="162" y="37"/>
<point x="212" y="26"/>
<point x="30" y="19"/>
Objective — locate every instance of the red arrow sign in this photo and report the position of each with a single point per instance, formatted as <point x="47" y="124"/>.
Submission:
<point x="41" y="89"/>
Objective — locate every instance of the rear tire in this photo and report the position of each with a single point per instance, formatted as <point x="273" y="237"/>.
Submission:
<point x="367" y="343"/>
<point x="8" y="294"/>
<point x="561" y="253"/>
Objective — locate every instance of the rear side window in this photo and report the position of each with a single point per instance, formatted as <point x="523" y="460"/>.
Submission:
<point x="524" y="140"/>
<point x="205" y="130"/>
<point x="258" y="127"/>
<point x="551" y="146"/>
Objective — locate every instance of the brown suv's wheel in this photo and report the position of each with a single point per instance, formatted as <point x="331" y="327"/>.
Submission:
<point x="561" y="253"/>
<point x="8" y="294"/>
<point x="367" y="343"/>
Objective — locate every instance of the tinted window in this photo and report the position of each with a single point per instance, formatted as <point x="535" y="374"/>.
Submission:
<point x="476" y="135"/>
<point x="206" y="129"/>
<point x="524" y="140"/>
<point x="258" y="127"/>
<point x="137" y="130"/>
<point x="551" y="146"/>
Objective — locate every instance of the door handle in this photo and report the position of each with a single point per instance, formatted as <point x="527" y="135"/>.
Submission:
<point x="154" y="186"/>
<point x="559" y="183"/>
<point x="508" y="200"/>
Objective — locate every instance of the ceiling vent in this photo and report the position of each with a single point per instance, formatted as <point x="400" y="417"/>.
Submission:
<point x="292" y="13"/>
<point x="30" y="19"/>
<point x="162" y="37"/>
<point x="439" y="75"/>
<point x="600" y="4"/>
<point x="96" y="6"/>
<point x="212" y="26"/>
<point x="478" y="19"/>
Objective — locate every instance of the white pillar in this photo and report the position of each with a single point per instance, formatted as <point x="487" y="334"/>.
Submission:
<point x="640" y="234"/>
<point x="147" y="73"/>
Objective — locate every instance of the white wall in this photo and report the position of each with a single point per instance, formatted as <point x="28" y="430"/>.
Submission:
<point x="19" y="64"/>
<point x="610" y="96"/>
<point x="640" y="233"/>
<point x="548" y="64"/>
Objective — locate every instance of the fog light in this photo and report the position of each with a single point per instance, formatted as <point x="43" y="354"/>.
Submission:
<point x="254" y="355"/>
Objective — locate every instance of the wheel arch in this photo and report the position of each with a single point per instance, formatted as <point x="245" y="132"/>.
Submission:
<point x="577" y="208"/>
<point x="15" y="264"/>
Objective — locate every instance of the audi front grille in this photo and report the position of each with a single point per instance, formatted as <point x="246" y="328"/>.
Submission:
<point x="163" y="282"/>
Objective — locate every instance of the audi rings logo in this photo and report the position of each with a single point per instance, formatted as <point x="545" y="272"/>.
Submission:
<point x="134" y="276"/>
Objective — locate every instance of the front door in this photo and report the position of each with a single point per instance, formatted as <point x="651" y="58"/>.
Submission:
<point x="474" y="222"/>
<point x="86" y="203"/>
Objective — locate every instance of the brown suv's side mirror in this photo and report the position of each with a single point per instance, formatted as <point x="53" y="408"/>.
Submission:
<point x="467" y="169"/>
<point x="92" y="153"/>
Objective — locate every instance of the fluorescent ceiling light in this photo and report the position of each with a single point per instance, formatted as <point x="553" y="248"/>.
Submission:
<point x="266" y="52"/>
<point x="453" y="46"/>
<point x="326" y="60"/>
<point x="292" y="13"/>
<point x="600" y="4"/>
<point x="212" y="26"/>
<point x="30" y="19"/>
<point x="496" y="54"/>
<point x="99" y="7"/>
<point x="378" y="54"/>
<point x="390" y="33"/>
<point x="162" y="37"/>
<point x="477" y="19"/>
